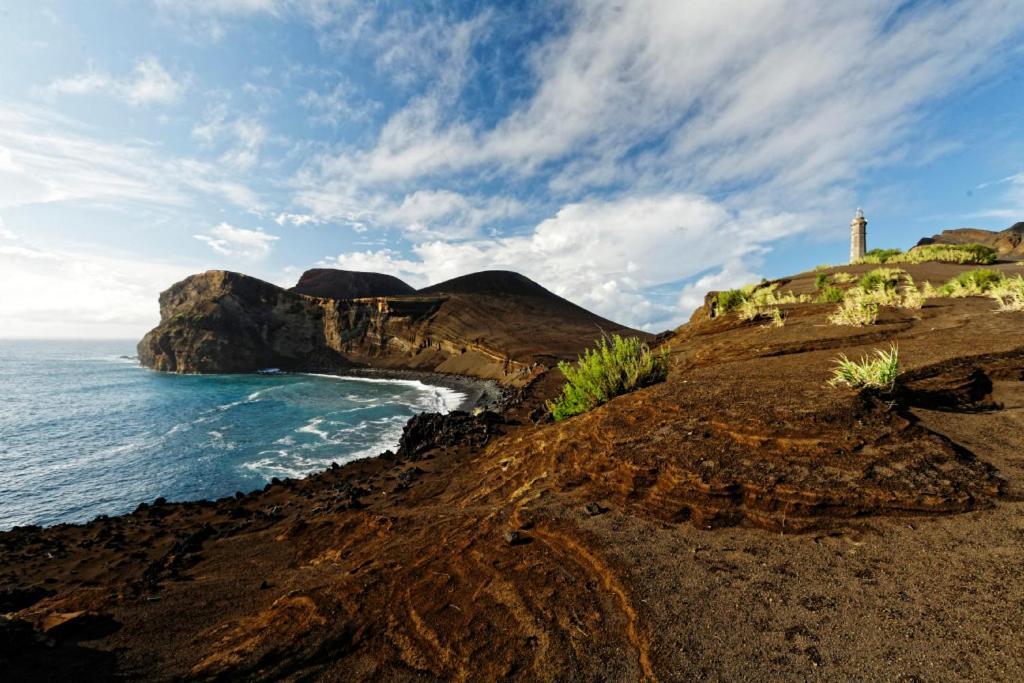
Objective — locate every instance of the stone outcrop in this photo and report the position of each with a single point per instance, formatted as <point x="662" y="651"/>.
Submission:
<point x="495" y="325"/>
<point x="1009" y="243"/>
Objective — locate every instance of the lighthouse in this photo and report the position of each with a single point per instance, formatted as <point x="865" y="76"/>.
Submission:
<point x="858" y="237"/>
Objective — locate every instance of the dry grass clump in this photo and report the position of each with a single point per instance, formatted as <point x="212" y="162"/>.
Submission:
<point x="755" y="301"/>
<point x="856" y="310"/>
<point x="776" y="318"/>
<point x="975" y="282"/>
<point x="878" y="371"/>
<point x="884" y="278"/>
<point x="614" y="367"/>
<point x="844" y="278"/>
<point x="830" y="295"/>
<point x="977" y="254"/>
<point x="880" y="256"/>
<point x="1009" y="294"/>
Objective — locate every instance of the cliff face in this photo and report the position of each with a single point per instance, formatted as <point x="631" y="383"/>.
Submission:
<point x="220" y="321"/>
<point x="1009" y="243"/>
<point x="228" y="322"/>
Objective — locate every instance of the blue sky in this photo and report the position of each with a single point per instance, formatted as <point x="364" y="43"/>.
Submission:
<point x="627" y="155"/>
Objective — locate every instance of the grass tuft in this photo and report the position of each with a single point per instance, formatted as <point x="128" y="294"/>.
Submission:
<point x="831" y="295"/>
<point x="885" y="278"/>
<point x="880" y="256"/>
<point x="976" y="254"/>
<point x="614" y="367"/>
<point x="975" y="282"/>
<point x="856" y="310"/>
<point x="878" y="371"/>
<point x="1009" y="294"/>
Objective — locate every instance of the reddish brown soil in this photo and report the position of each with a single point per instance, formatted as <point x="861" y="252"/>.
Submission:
<point x="740" y="521"/>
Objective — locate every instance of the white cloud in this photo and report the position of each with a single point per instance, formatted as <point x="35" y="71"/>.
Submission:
<point x="338" y="105"/>
<point x="1010" y="204"/>
<point x="6" y="234"/>
<point x="297" y="219"/>
<point x="48" y="158"/>
<point x="244" y="135"/>
<point x="795" y="95"/>
<point x="220" y="7"/>
<point x="228" y="240"/>
<point x="606" y="255"/>
<point x="65" y="293"/>
<point x="771" y="108"/>
<point x="148" y="83"/>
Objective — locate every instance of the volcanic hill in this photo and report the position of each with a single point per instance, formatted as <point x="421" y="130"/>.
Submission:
<point x="1009" y="243"/>
<point x="742" y="520"/>
<point x="494" y="324"/>
<point x="329" y="283"/>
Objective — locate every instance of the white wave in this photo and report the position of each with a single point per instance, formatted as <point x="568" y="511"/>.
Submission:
<point x="181" y="426"/>
<point x="311" y="428"/>
<point x="439" y="399"/>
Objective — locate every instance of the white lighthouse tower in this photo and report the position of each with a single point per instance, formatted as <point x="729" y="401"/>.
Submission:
<point x="858" y="237"/>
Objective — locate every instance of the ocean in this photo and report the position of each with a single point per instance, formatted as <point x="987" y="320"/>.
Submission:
<point x="84" y="430"/>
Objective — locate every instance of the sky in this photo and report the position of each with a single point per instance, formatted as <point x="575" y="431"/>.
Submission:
<point x="629" y="155"/>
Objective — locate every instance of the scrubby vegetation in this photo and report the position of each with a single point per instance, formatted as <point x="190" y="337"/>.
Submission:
<point x="1009" y="294"/>
<point x="876" y="372"/>
<point x="881" y="278"/>
<point x="975" y="282"/>
<point x="731" y="299"/>
<point x="880" y="255"/>
<point x="776" y="319"/>
<point x="844" y="278"/>
<point x="856" y="309"/>
<point x="821" y="280"/>
<point x="614" y="367"/>
<point x="830" y="295"/>
<point x="755" y="301"/>
<point x="977" y="254"/>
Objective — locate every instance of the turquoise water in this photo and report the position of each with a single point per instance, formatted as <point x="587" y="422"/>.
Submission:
<point x="85" y="431"/>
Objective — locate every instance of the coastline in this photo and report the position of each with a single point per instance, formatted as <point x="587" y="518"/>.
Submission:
<point x="478" y="392"/>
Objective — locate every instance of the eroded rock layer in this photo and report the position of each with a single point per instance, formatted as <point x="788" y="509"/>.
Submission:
<point x="650" y="539"/>
<point x="227" y="322"/>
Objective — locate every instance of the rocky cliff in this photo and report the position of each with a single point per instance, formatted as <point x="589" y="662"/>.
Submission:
<point x="496" y="325"/>
<point x="1009" y="243"/>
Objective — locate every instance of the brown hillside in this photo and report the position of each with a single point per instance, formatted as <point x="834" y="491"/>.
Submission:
<point x="329" y="283"/>
<point x="1009" y="243"/>
<point x="740" y="521"/>
<point x="492" y="325"/>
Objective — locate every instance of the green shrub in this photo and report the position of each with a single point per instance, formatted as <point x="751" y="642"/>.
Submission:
<point x="880" y="278"/>
<point x="1009" y="294"/>
<point x="877" y="372"/>
<point x="831" y="295"/>
<point x="731" y="299"/>
<point x="880" y="256"/>
<point x="821" y="281"/>
<point x="614" y="367"/>
<point x="975" y="282"/>
<point x="857" y="309"/>
<point x="975" y="254"/>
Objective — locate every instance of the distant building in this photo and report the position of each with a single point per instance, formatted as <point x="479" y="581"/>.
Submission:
<point x="858" y="237"/>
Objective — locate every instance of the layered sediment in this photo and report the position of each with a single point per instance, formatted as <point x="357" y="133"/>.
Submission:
<point x="741" y="520"/>
<point x="228" y="322"/>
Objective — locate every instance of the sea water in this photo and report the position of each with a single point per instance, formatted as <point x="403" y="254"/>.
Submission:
<point x="84" y="430"/>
